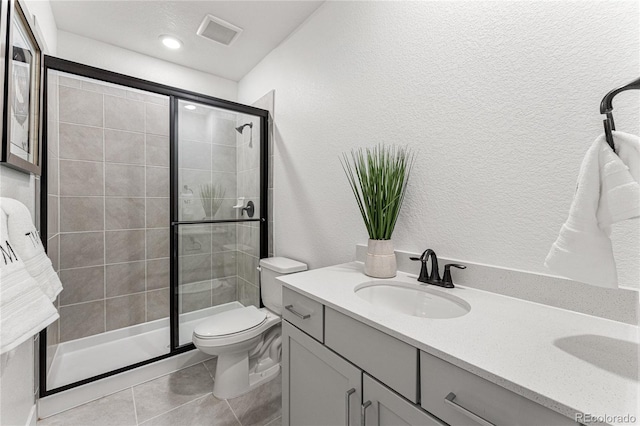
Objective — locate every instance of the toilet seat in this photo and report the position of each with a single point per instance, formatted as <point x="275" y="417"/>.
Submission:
<point x="228" y="323"/>
<point x="243" y="337"/>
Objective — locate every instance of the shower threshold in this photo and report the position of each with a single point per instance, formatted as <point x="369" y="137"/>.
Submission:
<point x="90" y="356"/>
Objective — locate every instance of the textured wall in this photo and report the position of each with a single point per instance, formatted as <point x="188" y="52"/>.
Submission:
<point x="102" y="55"/>
<point x="41" y="10"/>
<point x="500" y="98"/>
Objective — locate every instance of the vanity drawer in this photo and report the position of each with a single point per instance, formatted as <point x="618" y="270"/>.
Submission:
<point x="386" y="358"/>
<point x="304" y="313"/>
<point x="470" y="395"/>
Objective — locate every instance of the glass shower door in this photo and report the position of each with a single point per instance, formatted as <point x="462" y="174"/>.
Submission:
<point x="219" y="212"/>
<point x="154" y="218"/>
<point x="107" y="226"/>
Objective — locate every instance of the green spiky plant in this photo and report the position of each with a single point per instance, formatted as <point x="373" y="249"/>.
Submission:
<point x="378" y="177"/>
<point x="211" y="196"/>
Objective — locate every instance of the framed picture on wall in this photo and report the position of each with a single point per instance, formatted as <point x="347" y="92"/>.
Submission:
<point x="21" y="51"/>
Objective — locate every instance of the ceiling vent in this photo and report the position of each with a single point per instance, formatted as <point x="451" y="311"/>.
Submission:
<point x="218" y="30"/>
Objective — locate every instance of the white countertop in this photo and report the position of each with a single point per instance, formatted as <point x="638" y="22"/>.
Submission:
<point x="566" y="361"/>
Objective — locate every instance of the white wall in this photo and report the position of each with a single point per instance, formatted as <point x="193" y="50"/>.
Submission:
<point x="46" y="23"/>
<point x="15" y="184"/>
<point x="102" y="55"/>
<point x="16" y="386"/>
<point x="500" y="98"/>
<point x="17" y="372"/>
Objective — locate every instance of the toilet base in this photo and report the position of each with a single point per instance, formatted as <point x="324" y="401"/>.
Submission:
<point x="231" y="378"/>
<point x="257" y="379"/>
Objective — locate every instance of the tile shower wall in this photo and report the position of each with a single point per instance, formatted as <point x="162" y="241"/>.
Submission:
<point x="113" y="207"/>
<point x="208" y="253"/>
<point x="207" y="155"/>
<point x="207" y="274"/>
<point x="248" y="166"/>
<point x="218" y="263"/>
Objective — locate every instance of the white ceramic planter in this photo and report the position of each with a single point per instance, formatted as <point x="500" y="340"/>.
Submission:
<point x="381" y="259"/>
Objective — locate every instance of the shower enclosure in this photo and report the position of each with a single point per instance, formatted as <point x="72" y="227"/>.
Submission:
<point x="154" y="207"/>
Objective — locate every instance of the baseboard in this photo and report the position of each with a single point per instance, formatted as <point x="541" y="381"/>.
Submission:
<point x="33" y="416"/>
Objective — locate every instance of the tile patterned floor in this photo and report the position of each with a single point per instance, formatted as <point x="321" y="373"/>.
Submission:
<point x="182" y="398"/>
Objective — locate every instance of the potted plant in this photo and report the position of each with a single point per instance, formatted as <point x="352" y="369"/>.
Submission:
<point x="211" y="196"/>
<point x="378" y="177"/>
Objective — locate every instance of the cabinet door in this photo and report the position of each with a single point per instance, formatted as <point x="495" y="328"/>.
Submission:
<point x="389" y="409"/>
<point x="319" y="388"/>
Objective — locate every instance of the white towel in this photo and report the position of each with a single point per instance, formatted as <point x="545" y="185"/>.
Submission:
<point x="608" y="192"/>
<point x="24" y="308"/>
<point x="27" y="244"/>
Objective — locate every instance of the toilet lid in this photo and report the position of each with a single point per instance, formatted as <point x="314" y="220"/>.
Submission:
<point x="230" y="322"/>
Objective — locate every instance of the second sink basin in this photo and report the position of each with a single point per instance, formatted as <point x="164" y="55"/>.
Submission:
<point x="412" y="299"/>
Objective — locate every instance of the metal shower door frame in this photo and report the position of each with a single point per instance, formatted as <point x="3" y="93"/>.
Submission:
<point x="175" y="203"/>
<point x="175" y="95"/>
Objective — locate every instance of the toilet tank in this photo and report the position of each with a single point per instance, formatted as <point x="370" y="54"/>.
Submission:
<point x="271" y="289"/>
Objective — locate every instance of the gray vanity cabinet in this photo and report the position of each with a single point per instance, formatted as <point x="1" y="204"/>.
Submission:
<point x="319" y="388"/>
<point x="383" y="407"/>
<point x="338" y="371"/>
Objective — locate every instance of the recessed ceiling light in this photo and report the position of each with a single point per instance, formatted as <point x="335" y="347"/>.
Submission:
<point x="190" y="107"/>
<point x="171" y="42"/>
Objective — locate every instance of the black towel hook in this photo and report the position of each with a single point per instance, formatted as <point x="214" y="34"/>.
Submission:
<point x="606" y="107"/>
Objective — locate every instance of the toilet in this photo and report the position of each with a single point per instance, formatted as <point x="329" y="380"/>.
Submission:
<point x="247" y="340"/>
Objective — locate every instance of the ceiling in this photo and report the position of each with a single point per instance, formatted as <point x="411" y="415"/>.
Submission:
<point x="136" y="25"/>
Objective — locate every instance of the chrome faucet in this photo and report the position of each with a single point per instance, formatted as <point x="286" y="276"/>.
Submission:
<point x="433" y="277"/>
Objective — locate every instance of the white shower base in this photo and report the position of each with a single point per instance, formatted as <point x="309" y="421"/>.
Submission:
<point x="90" y="356"/>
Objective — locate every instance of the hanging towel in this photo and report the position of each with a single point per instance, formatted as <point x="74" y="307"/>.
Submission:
<point x="24" y="308"/>
<point x="27" y="244"/>
<point x="608" y="192"/>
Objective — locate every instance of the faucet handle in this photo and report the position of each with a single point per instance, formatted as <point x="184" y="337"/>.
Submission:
<point x="455" y="265"/>
<point x="446" y="279"/>
<point x="422" y="258"/>
<point x="423" y="269"/>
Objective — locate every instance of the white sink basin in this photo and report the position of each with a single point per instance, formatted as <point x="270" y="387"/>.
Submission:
<point x="412" y="299"/>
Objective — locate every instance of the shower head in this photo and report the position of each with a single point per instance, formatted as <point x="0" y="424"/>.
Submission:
<point x="239" y="129"/>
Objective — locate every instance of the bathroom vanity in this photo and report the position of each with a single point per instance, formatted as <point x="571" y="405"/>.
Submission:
<point x="347" y="361"/>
